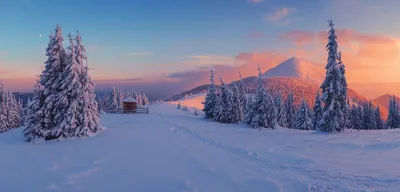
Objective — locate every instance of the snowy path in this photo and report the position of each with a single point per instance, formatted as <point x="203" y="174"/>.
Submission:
<point x="172" y="150"/>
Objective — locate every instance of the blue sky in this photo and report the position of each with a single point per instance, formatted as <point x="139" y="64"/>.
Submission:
<point x="137" y="38"/>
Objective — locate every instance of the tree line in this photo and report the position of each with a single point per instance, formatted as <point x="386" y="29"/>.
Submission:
<point x="113" y="100"/>
<point x="331" y="112"/>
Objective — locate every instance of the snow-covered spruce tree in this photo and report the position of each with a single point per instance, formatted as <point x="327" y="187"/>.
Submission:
<point x="50" y="79"/>
<point x="317" y="116"/>
<point x="263" y="112"/>
<point x="13" y="115"/>
<point x="120" y="97"/>
<point x="90" y="117"/>
<point x="242" y="97"/>
<point x="226" y="97"/>
<point x="281" y="116"/>
<point x="303" y="118"/>
<point x="290" y="111"/>
<point x="278" y="107"/>
<point x="368" y="117"/>
<point x="393" y="116"/>
<point x="248" y="111"/>
<point x="210" y="100"/>
<point x="179" y="105"/>
<point x="353" y="118"/>
<point x="347" y="113"/>
<point x="113" y="101"/>
<point x="3" y="110"/>
<point x="378" y="118"/>
<point x="332" y="96"/>
<point x="343" y="91"/>
<point x="219" y="114"/>
<point x="236" y="106"/>
<point x="71" y="95"/>
<point x="35" y="116"/>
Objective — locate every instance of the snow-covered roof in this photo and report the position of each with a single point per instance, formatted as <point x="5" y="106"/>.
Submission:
<point x="129" y="99"/>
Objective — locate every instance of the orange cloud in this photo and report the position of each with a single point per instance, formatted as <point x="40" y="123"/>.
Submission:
<point x="298" y="37"/>
<point x="368" y="58"/>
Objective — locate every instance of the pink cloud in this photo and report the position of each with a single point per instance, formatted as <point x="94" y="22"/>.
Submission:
<point x="279" y="14"/>
<point x="298" y="37"/>
<point x="255" y="1"/>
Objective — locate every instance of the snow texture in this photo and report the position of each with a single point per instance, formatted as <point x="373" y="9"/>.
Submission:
<point x="172" y="150"/>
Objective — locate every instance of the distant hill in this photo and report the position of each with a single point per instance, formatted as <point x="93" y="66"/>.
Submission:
<point x="299" y="68"/>
<point x="383" y="101"/>
<point x="194" y="91"/>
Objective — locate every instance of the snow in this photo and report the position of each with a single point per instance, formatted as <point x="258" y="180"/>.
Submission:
<point x="129" y="99"/>
<point x="299" y="68"/>
<point x="173" y="150"/>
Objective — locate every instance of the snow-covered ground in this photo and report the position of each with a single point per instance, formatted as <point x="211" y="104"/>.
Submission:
<point x="173" y="150"/>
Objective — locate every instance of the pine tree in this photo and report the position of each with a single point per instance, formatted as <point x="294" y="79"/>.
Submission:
<point x="353" y="118"/>
<point x="332" y="96"/>
<point x="113" y="100"/>
<point x="368" y="122"/>
<point x="344" y="102"/>
<point x="3" y="110"/>
<point x="219" y="114"/>
<point x="35" y="116"/>
<point x="282" y="119"/>
<point x="303" y="119"/>
<point x="71" y="95"/>
<point x="242" y="98"/>
<point x="317" y="111"/>
<point x="236" y="108"/>
<point x="393" y="116"/>
<point x="291" y="111"/>
<point x="51" y="78"/>
<point x="90" y="117"/>
<point x="248" y="111"/>
<point x="210" y="100"/>
<point x="263" y="112"/>
<point x="226" y="97"/>
<point x="378" y="119"/>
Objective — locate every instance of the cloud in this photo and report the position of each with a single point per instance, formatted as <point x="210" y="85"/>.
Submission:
<point x="256" y="1"/>
<point x="280" y="16"/>
<point x="136" y="54"/>
<point x="368" y="58"/>
<point x="207" y="60"/>
<point x="298" y="37"/>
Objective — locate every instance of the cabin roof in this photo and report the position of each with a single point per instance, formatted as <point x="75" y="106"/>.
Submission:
<point x="129" y="100"/>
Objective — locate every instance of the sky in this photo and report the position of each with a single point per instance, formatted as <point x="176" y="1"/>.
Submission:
<point x="157" y="41"/>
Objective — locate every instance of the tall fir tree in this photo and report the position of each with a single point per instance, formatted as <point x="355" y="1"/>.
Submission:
<point x="353" y="116"/>
<point x="210" y="100"/>
<point x="226" y="97"/>
<point x="35" y="115"/>
<point x="343" y="99"/>
<point x="236" y="106"/>
<point x="368" y="122"/>
<point x="219" y="114"/>
<point x="291" y="111"/>
<point x="90" y="117"/>
<point x="318" y="111"/>
<point x="71" y="94"/>
<point x="50" y="79"/>
<point x="332" y="96"/>
<point x="263" y="112"/>
<point x="393" y="116"/>
<point x="242" y="97"/>
<point x="378" y="118"/>
<point x="303" y="117"/>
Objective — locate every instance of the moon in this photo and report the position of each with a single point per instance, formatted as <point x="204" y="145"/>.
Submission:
<point x="40" y="35"/>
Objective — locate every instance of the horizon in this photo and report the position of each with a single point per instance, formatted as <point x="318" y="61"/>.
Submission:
<point x="151" y="48"/>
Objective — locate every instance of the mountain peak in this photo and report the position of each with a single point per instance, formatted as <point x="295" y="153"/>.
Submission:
<point x="299" y="68"/>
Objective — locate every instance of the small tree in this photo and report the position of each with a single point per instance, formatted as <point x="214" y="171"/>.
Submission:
<point x="378" y="119"/>
<point x="303" y="119"/>
<point x="179" y="106"/>
<point x="317" y="111"/>
<point x="210" y="100"/>
<point x="291" y="111"/>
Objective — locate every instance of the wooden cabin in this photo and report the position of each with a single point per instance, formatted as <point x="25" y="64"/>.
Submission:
<point x="129" y="105"/>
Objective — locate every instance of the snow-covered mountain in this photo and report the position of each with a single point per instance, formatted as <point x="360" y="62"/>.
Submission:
<point x="299" y="68"/>
<point x="384" y="100"/>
